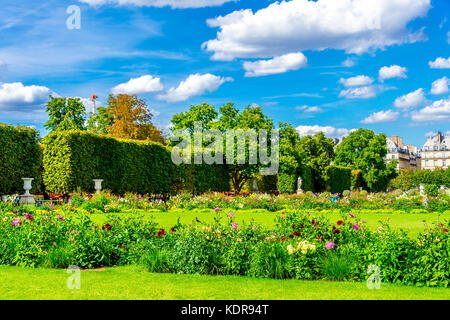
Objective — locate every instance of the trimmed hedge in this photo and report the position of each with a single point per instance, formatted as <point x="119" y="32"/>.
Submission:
<point x="339" y="178"/>
<point x="287" y="182"/>
<point x="20" y="157"/>
<point x="72" y="159"/>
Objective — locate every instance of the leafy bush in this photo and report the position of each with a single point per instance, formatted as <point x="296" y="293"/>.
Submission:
<point x="339" y="178"/>
<point x="72" y="159"/>
<point x="431" y="190"/>
<point x="21" y="157"/>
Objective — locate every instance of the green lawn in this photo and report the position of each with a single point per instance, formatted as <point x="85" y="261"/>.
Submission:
<point x="135" y="283"/>
<point x="412" y="223"/>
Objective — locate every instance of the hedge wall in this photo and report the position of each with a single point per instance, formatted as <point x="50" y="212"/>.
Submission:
<point x="339" y="178"/>
<point x="287" y="182"/>
<point x="73" y="158"/>
<point x="20" y="157"/>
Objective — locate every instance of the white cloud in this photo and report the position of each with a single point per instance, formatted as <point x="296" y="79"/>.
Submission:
<point x="411" y="100"/>
<point x="281" y="64"/>
<point x="330" y="132"/>
<point x="381" y="116"/>
<point x="356" y="81"/>
<point x="175" y="4"/>
<point x="393" y="71"/>
<point x="144" y="84"/>
<point x="359" y="93"/>
<point x="348" y="63"/>
<point x="440" y="63"/>
<point x="440" y="86"/>
<point x="437" y="111"/>
<point x="17" y="97"/>
<point x="195" y="84"/>
<point x="309" y="109"/>
<point x="298" y="25"/>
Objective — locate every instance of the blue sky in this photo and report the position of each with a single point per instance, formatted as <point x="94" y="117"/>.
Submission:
<point x="331" y="65"/>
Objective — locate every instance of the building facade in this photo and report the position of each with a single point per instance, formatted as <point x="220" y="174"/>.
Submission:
<point x="407" y="155"/>
<point x="436" y="152"/>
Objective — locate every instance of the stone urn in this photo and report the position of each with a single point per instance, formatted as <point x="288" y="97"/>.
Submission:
<point x="27" y="198"/>
<point x="98" y="185"/>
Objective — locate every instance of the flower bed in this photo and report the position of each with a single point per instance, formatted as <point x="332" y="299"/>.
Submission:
<point x="300" y="246"/>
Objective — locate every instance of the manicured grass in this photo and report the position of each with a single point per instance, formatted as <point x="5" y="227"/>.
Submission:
<point x="412" y="223"/>
<point x="135" y="283"/>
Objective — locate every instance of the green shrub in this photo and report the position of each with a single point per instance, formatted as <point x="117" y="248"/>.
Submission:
<point x="431" y="190"/>
<point x="21" y="157"/>
<point x="339" y="178"/>
<point x="271" y="260"/>
<point x="337" y="265"/>
<point x="72" y="159"/>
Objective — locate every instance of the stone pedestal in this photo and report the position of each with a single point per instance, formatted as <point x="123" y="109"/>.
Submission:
<point x="98" y="185"/>
<point x="27" y="198"/>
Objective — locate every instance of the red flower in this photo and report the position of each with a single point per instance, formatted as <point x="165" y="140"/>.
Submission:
<point x="445" y="230"/>
<point x="107" y="227"/>
<point x="301" y="225"/>
<point x="312" y="222"/>
<point x="297" y="233"/>
<point x="336" y="231"/>
<point x="173" y="230"/>
<point x="161" y="232"/>
<point x="293" y="226"/>
<point x="291" y="236"/>
<point x="283" y="238"/>
<point x="340" y="222"/>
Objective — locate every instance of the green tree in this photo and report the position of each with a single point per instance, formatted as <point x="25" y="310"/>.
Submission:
<point x="403" y="180"/>
<point x="319" y="153"/>
<point x="65" y="114"/>
<point x="292" y="159"/>
<point x="228" y="118"/>
<point x="365" y="150"/>
<point x="100" y="121"/>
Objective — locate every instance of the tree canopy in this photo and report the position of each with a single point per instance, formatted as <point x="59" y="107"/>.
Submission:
<point x="364" y="150"/>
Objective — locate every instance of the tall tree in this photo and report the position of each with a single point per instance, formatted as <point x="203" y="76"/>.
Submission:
<point x="319" y="153"/>
<point x="65" y="114"/>
<point x="100" y="121"/>
<point x="365" y="150"/>
<point x="132" y="119"/>
<point x="228" y="118"/>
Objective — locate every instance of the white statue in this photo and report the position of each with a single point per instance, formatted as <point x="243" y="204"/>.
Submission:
<point x="299" y="184"/>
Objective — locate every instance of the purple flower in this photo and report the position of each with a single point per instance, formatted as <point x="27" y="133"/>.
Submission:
<point x="16" y="221"/>
<point x="60" y="217"/>
<point x="356" y="226"/>
<point x="230" y="215"/>
<point x="29" y="217"/>
<point x="351" y="215"/>
<point x="235" y="225"/>
<point x="330" y="245"/>
<point x="217" y="209"/>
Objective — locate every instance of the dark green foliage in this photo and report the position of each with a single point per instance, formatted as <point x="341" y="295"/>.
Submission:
<point x="437" y="177"/>
<point x="364" y="150"/>
<point x="339" y="178"/>
<point x="72" y="159"/>
<point x="20" y="157"/>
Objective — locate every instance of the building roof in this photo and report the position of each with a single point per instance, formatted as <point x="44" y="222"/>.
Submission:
<point x="439" y="142"/>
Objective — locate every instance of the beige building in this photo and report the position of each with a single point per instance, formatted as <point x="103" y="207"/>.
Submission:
<point x="407" y="155"/>
<point x="436" y="152"/>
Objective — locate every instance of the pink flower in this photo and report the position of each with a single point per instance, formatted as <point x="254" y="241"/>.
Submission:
<point x="60" y="217"/>
<point x="235" y="225"/>
<point x="330" y="245"/>
<point x="16" y="221"/>
<point x="356" y="226"/>
<point x="217" y="209"/>
<point x="230" y="215"/>
<point x="351" y="215"/>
